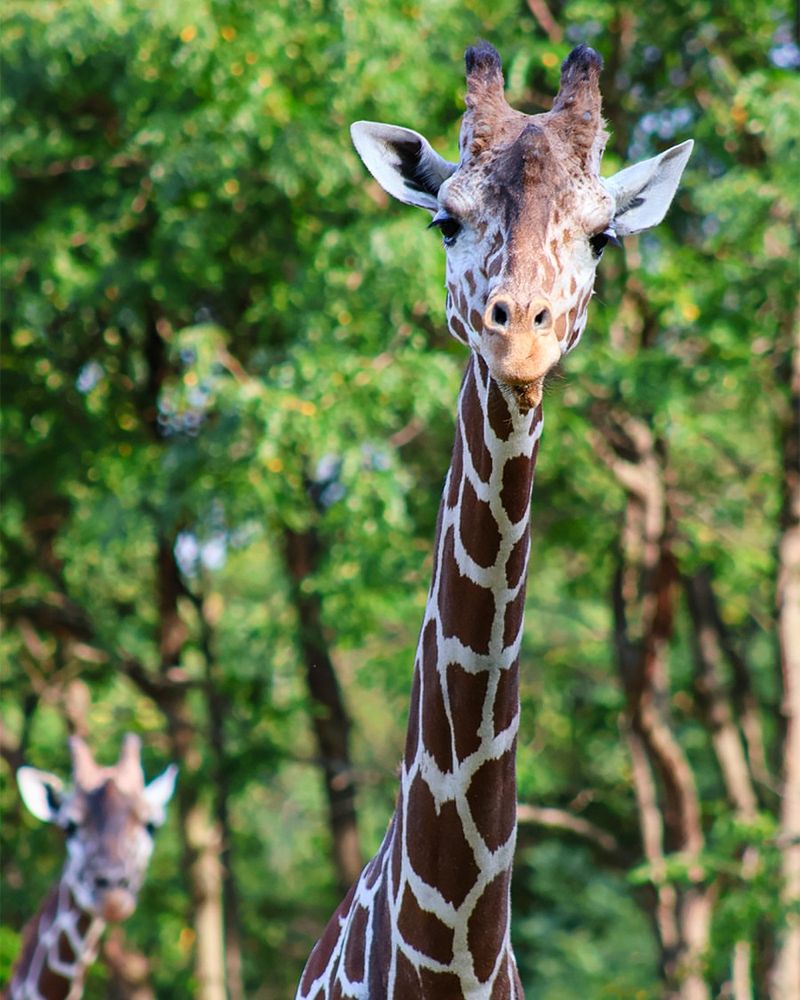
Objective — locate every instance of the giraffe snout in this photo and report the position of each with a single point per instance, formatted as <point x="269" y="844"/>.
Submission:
<point x="506" y="316"/>
<point x="519" y="342"/>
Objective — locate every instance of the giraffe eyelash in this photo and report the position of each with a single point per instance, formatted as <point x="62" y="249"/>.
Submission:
<point x="447" y="224"/>
<point x="599" y="241"/>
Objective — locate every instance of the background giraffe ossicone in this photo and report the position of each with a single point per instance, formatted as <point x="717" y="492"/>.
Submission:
<point x="524" y="216"/>
<point x="109" y="818"/>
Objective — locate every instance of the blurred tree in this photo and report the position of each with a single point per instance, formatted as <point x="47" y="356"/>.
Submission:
<point x="218" y="339"/>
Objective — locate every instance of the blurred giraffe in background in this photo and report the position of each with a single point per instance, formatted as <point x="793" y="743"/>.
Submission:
<point x="524" y="216"/>
<point x="109" y="818"/>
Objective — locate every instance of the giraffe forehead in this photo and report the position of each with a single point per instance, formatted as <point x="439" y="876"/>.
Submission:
<point x="527" y="179"/>
<point x="108" y="809"/>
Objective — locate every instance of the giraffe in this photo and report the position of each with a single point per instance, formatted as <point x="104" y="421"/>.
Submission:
<point x="109" y="819"/>
<point x="524" y="217"/>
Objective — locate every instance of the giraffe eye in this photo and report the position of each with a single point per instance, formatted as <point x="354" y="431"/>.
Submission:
<point x="70" y="828"/>
<point x="599" y="240"/>
<point x="449" y="226"/>
<point x="598" y="244"/>
<point x="151" y="829"/>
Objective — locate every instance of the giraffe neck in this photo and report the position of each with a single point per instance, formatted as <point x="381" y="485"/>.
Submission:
<point x="59" y="944"/>
<point x="457" y="809"/>
<point x="430" y="915"/>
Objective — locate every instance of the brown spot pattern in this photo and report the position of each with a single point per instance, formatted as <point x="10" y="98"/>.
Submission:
<point x="437" y="536"/>
<point x="491" y="799"/>
<point x="571" y="318"/>
<point x="437" y="848"/>
<point x="465" y="609"/>
<point x="458" y="328"/>
<point x="482" y="371"/>
<point x="65" y="952"/>
<point x="53" y="985"/>
<point x="516" y="560"/>
<point x="424" y="931"/>
<point x="324" y="948"/>
<point x="480" y="535"/>
<point x="472" y="414"/>
<point x="397" y="848"/>
<point x="467" y="696"/>
<point x="354" y="949"/>
<point x="515" y="494"/>
<point x="502" y="985"/>
<point x="470" y="278"/>
<point x="456" y="470"/>
<point x="513" y="618"/>
<point x="485" y="934"/>
<point x="506" y="700"/>
<point x="476" y="320"/>
<point x="381" y="948"/>
<point x="435" y="726"/>
<point x="499" y="414"/>
<point x="495" y="267"/>
<point x="410" y="983"/>
<point x="412" y="733"/>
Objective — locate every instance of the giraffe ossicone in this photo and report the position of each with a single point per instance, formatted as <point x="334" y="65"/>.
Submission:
<point x="109" y="817"/>
<point x="524" y="217"/>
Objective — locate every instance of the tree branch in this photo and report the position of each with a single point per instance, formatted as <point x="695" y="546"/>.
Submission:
<point x="561" y="819"/>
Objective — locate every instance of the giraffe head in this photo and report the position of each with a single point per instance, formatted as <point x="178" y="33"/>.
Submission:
<point x="109" y="817"/>
<point x="524" y="214"/>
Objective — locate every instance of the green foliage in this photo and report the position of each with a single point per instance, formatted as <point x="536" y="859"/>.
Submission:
<point x="209" y="308"/>
<point x="580" y="934"/>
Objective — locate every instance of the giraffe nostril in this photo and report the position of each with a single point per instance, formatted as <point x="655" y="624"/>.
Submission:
<point x="542" y="319"/>
<point x="500" y="314"/>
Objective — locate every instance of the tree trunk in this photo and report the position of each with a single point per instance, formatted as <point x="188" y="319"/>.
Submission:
<point x="643" y="596"/>
<point x="200" y="835"/>
<point x="203" y="847"/>
<point x="329" y="716"/>
<point x="216" y="707"/>
<point x="713" y="700"/>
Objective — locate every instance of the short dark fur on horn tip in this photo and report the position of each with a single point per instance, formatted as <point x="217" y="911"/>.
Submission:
<point x="482" y="57"/>
<point x="582" y="60"/>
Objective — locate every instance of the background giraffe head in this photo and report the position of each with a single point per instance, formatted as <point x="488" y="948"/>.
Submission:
<point x="109" y="817"/>
<point x="524" y="214"/>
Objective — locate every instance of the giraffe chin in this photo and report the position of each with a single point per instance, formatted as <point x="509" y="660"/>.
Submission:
<point x="117" y="905"/>
<point x="527" y="394"/>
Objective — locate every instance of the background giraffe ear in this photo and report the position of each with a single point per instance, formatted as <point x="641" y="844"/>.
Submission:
<point x="158" y="793"/>
<point x="644" y="192"/>
<point x="402" y="161"/>
<point x="41" y="792"/>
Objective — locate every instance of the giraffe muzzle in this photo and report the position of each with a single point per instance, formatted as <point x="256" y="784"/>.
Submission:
<point x="506" y="316"/>
<point x="116" y="904"/>
<point x="519" y="341"/>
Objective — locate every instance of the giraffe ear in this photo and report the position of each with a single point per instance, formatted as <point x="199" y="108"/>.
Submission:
<point x="402" y="161"/>
<point x="644" y="192"/>
<point x="158" y="793"/>
<point x="41" y="792"/>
